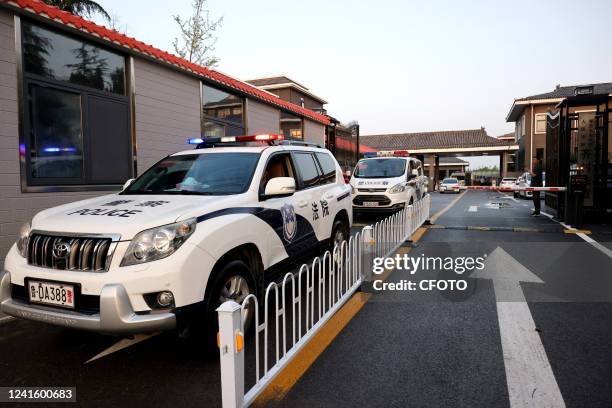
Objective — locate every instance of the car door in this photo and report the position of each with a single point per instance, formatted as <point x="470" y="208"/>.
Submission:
<point x="285" y="215"/>
<point x="311" y="193"/>
<point x="331" y="190"/>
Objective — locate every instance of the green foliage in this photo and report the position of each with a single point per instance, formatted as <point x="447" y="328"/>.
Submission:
<point x="197" y="36"/>
<point x="83" y="8"/>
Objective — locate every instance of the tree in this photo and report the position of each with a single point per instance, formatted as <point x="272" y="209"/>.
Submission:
<point x="197" y="36"/>
<point x="83" y="8"/>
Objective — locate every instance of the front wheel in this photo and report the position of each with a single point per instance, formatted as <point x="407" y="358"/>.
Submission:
<point x="234" y="281"/>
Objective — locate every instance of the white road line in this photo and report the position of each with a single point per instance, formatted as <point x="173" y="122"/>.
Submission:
<point x="473" y="208"/>
<point x="120" y="345"/>
<point x="585" y="237"/>
<point x="529" y="376"/>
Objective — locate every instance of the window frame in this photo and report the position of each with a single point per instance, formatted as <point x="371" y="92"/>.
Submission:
<point x="30" y="184"/>
<point x="535" y="123"/>
<point x="280" y="125"/>
<point x="218" y="121"/>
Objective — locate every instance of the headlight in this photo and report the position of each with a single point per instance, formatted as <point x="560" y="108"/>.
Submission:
<point x="398" y="188"/>
<point x="158" y="243"/>
<point x="23" y="238"/>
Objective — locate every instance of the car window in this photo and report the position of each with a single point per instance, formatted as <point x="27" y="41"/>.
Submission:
<point x="279" y="165"/>
<point x="204" y="174"/>
<point x="450" y="181"/>
<point x="306" y="166"/>
<point x="328" y="165"/>
<point x="380" y="168"/>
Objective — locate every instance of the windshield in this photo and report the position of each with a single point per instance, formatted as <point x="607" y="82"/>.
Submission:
<point x="200" y="174"/>
<point x="450" y="181"/>
<point x="380" y="168"/>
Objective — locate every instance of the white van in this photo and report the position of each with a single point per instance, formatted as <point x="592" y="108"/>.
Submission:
<point x="387" y="181"/>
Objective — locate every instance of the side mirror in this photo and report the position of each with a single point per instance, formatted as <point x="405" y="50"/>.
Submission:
<point x="415" y="172"/>
<point x="280" y="187"/>
<point x="127" y="184"/>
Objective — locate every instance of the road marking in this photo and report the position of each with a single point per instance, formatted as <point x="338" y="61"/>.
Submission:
<point x="437" y="215"/>
<point x="286" y="379"/>
<point x="473" y="208"/>
<point x="577" y="231"/>
<point x="585" y="237"/>
<point x="529" y="376"/>
<point x="120" y="345"/>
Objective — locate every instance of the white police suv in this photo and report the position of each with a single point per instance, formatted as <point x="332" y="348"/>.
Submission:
<point x="198" y="228"/>
<point x="387" y="181"/>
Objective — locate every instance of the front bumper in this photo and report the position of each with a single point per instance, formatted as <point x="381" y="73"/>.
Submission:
<point x="116" y="313"/>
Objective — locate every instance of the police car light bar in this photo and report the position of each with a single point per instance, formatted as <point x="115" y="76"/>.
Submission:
<point x="234" y="139"/>
<point x="388" y="153"/>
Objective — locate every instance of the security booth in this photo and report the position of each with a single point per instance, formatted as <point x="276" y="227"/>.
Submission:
<point x="579" y="157"/>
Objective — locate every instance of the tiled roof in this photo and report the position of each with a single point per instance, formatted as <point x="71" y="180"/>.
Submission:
<point x="57" y="15"/>
<point x="433" y="140"/>
<point x="567" y="91"/>
<point x="507" y="136"/>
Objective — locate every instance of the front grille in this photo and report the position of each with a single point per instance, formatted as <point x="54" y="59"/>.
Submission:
<point x="380" y="199"/>
<point x="69" y="253"/>
<point x="371" y="190"/>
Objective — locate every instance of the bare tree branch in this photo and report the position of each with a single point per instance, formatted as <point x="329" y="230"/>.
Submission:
<point x="196" y="40"/>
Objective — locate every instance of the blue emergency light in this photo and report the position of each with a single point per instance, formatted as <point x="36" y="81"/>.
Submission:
<point x="370" y="154"/>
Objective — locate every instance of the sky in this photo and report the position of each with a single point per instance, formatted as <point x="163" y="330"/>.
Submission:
<point x="401" y="66"/>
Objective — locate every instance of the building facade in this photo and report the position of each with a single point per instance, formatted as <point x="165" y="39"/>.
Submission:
<point x="571" y="133"/>
<point x="84" y="108"/>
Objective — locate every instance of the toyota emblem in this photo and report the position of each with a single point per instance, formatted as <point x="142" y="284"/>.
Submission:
<point x="61" y="250"/>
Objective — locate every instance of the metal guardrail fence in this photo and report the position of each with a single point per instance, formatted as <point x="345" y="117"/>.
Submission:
<point x="309" y="298"/>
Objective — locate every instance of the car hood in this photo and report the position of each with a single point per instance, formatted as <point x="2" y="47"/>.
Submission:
<point x="127" y="215"/>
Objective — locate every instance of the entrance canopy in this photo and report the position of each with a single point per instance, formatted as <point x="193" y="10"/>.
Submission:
<point x="473" y="142"/>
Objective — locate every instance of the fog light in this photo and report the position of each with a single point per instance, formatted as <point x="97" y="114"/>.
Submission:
<point x="165" y="299"/>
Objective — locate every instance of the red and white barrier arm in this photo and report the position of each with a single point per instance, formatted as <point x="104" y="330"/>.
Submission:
<point x="514" y="188"/>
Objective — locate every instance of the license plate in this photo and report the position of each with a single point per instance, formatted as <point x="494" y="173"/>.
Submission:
<point x="370" y="204"/>
<point x="49" y="293"/>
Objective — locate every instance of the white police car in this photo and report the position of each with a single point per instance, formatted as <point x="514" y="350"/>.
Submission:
<point x="387" y="181"/>
<point x="198" y="228"/>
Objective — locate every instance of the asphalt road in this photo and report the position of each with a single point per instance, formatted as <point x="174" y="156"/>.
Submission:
<point x="441" y="349"/>
<point x="406" y="349"/>
<point x="162" y="370"/>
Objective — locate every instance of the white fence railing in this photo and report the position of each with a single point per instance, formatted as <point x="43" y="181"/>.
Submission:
<point x="302" y="302"/>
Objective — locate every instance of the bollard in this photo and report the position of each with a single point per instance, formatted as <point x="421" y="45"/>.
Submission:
<point x="231" y="351"/>
<point x="367" y="237"/>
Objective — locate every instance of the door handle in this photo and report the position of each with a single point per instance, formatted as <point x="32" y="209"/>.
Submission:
<point x="302" y="203"/>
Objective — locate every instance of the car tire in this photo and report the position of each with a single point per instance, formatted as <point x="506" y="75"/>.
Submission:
<point x="233" y="280"/>
<point x="340" y="232"/>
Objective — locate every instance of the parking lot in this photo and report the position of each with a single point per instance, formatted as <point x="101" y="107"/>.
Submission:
<point x="402" y="349"/>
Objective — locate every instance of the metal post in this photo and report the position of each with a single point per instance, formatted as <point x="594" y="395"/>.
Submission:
<point x="231" y="351"/>
<point x="367" y="244"/>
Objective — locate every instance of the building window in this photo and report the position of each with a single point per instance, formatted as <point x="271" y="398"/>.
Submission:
<point x="222" y="113"/>
<point x="523" y="126"/>
<point x="291" y="126"/>
<point x="540" y="123"/>
<point x="55" y="56"/>
<point x="76" y="128"/>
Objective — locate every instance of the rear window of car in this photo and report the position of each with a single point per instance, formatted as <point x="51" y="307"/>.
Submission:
<point x="307" y="168"/>
<point x="328" y="165"/>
